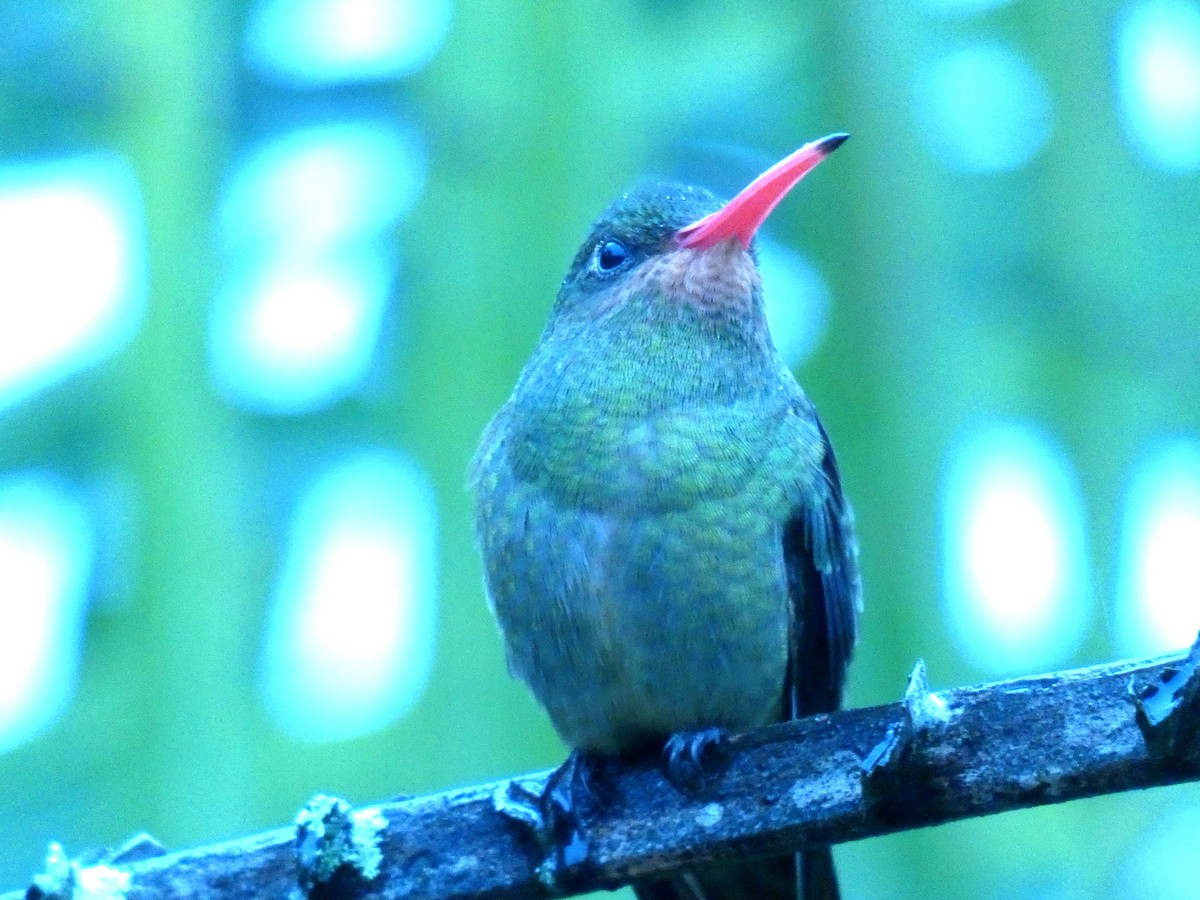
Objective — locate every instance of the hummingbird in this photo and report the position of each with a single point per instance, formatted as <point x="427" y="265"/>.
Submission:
<point x="667" y="548"/>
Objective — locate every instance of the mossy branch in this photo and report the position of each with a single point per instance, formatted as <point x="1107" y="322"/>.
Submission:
<point x="933" y="758"/>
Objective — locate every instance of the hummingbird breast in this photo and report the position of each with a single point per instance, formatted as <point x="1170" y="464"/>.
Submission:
<point x="634" y="563"/>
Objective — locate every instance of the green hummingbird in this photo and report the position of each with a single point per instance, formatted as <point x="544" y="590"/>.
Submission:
<point x="666" y="546"/>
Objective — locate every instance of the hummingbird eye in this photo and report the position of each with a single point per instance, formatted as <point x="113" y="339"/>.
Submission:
<point x="609" y="256"/>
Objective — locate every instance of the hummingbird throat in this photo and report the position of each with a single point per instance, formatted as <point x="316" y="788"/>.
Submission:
<point x="720" y="279"/>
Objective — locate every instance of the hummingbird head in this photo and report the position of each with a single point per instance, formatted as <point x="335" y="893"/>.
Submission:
<point x="674" y="246"/>
<point x="662" y="305"/>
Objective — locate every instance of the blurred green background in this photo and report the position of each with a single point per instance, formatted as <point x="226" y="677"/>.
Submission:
<point x="267" y="268"/>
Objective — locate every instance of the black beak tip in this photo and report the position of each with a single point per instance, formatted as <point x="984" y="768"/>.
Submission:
<point x="831" y="143"/>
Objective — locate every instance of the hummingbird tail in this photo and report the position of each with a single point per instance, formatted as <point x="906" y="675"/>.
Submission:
<point x="807" y="876"/>
<point x="818" y="879"/>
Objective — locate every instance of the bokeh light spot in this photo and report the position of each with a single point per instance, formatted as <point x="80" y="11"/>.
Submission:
<point x="350" y="636"/>
<point x="314" y="188"/>
<point x="295" y="324"/>
<point x="72" y="271"/>
<point x="1158" y="81"/>
<point x="300" y="335"/>
<point x="46" y="561"/>
<point x="983" y="108"/>
<point x="313" y="43"/>
<point x="1160" y="553"/>
<point x="1013" y="549"/>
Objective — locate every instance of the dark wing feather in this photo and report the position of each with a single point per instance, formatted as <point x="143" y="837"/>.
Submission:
<point x="820" y="554"/>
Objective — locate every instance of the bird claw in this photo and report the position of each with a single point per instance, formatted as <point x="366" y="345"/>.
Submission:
<point x="688" y="755"/>
<point x="554" y="817"/>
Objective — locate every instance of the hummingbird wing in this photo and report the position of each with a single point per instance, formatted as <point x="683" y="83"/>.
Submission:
<point x="820" y="555"/>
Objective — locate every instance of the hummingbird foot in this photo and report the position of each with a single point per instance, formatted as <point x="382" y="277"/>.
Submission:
<point x="689" y="755"/>
<point x="554" y="817"/>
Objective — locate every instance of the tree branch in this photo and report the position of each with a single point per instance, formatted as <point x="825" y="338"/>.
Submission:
<point x="933" y="758"/>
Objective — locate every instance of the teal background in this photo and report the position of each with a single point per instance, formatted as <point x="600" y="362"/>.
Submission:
<point x="1062" y="292"/>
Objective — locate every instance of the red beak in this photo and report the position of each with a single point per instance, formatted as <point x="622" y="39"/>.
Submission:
<point x="743" y="215"/>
